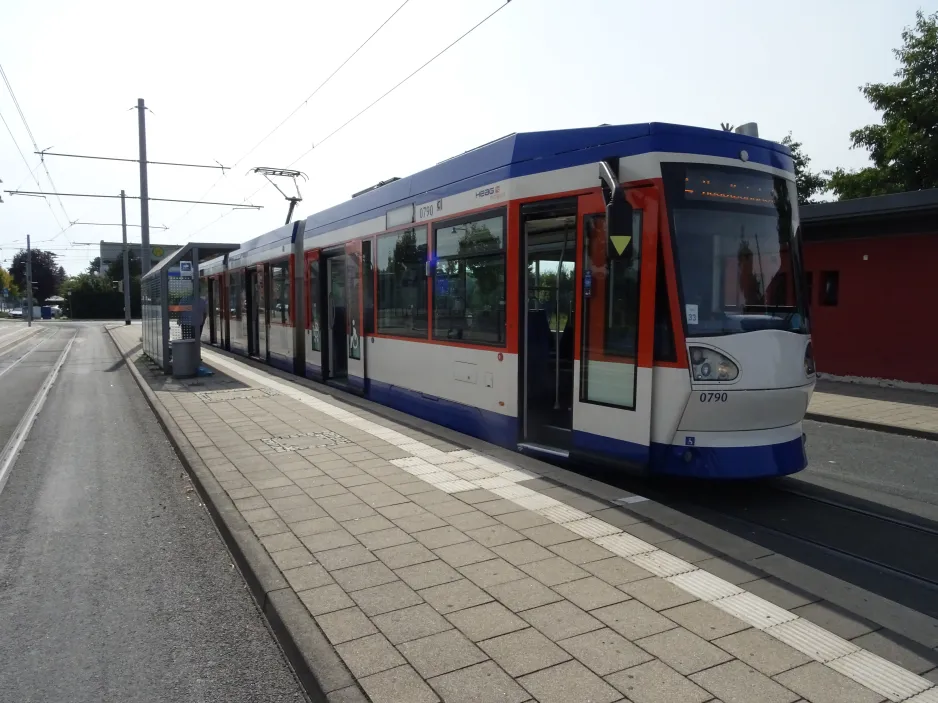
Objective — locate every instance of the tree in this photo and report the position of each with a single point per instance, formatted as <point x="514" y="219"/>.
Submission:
<point x="7" y="283"/>
<point x="47" y="274"/>
<point x="94" y="266"/>
<point x="904" y="148"/>
<point x="115" y="270"/>
<point x="807" y="182"/>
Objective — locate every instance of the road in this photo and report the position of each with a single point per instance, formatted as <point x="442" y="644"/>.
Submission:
<point x="114" y="585"/>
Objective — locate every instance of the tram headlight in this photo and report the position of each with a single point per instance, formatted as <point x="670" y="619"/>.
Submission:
<point x="711" y="365"/>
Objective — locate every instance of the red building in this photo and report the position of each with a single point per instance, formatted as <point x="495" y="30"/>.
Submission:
<point x="872" y="271"/>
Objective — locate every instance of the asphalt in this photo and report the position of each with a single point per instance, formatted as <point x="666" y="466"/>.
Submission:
<point x="114" y="584"/>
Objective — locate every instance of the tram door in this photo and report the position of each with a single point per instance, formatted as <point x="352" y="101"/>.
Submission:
<point x="214" y="306"/>
<point x="257" y="313"/>
<point x="549" y="234"/>
<point x="337" y="311"/>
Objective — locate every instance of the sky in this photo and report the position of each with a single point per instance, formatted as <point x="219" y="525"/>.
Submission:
<point x="218" y="76"/>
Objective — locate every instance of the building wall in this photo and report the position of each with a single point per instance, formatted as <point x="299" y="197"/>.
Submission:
<point x="883" y="324"/>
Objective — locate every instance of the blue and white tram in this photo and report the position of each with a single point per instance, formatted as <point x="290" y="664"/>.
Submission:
<point x="632" y="294"/>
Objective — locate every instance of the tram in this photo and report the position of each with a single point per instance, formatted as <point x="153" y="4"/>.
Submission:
<point x="629" y="294"/>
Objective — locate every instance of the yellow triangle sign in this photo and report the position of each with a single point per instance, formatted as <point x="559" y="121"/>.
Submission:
<point x="620" y="242"/>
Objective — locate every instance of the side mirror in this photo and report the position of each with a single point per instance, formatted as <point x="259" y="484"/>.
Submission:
<point x="618" y="210"/>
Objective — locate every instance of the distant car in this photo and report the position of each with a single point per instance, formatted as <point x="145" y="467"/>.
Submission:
<point x="16" y="312"/>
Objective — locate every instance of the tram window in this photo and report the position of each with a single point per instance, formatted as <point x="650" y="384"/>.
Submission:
<point x="315" y="341"/>
<point x="610" y="320"/>
<point x="469" y="281"/>
<point x="368" y="274"/>
<point x="830" y="282"/>
<point x="402" y="283"/>
<point x="664" y="330"/>
<point x="234" y="295"/>
<point x="280" y="292"/>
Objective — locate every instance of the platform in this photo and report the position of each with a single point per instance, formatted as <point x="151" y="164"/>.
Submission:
<point x="434" y="569"/>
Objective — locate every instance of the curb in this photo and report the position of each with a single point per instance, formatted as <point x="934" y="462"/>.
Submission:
<point x="876" y="426"/>
<point x="316" y="664"/>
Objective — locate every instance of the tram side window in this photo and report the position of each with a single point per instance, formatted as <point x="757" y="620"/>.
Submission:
<point x="368" y="274"/>
<point x="664" y="330"/>
<point x="469" y="281"/>
<point x="316" y="337"/>
<point x="610" y="320"/>
<point x="402" y="283"/>
<point x="280" y="292"/>
<point x="235" y="295"/>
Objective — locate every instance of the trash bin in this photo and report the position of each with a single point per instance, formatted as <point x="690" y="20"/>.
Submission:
<point x="45" y="312"/>
<point x="185" y="358"/>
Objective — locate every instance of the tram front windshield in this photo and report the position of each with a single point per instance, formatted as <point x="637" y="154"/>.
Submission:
<point x="735" y="234"/>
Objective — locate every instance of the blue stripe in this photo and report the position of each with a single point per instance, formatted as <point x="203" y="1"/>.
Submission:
<point x="729" y="462"/>
<point x="538" y="152"/>
<point x="484" y="424"/>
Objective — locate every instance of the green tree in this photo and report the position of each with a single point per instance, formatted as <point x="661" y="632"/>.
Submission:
<point x="904" y="148"/>
<point x="807" y="182"/>
<point x="115" y="270"/>
<point x="94" y="266"/>
<point x="47" y="274"/>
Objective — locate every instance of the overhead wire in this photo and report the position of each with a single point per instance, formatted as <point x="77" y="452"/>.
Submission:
<point x="371" y="105"/>
<point x="296" y="109"/>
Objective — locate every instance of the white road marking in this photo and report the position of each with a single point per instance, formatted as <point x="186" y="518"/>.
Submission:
<point x="873" y="672"/>
<point x="15" y="443"/>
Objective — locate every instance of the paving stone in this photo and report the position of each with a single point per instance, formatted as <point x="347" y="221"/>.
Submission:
<point x="836" y="620"/>
<point x="480" y="495"/>
<point x="411" y="623"/>
<point x="471" y="520"/>
<point x="440" y="537"/>
<point x="491" y="572"/>
<point x="385" y="598"/>
<point x="523" y="519"/>
<point x="431" y="497"/>
<point x="427" y="574"/>
<point x="523" y="552"/>
<point x="897" y="649"/>
<point x="568" y="683"/>
<point x="293" y="501"/>
<point x="405" y="555"/>
<point x="354" y="480"/>
<point x="590" y="593"/>
<point x="575" y="499"/>
<point x="817" y="682"/>
<point x="306" y="577"/>
<point x="449" y="508"/>
<point x="281" y="541"/>
<point x="736" y="682"/>
<point x="705" y="620"/>
<point x="762" y="652"/>
<point x="400" y="685"/>
<point x="385" y="538"/>
<point x="683" y="651"/>
<point x="656" y="682"/>
<point x="310" y="512"/>
<point x="554" y="571"/>
<point x="292" y="558"/>
<point x="616" y="571"/>
<point x="315" y="526"/>
<point x="456" y="595"/>
<point x="481" y="683"/>
<point x="932" y="675"/>
<point x="259" y="515"/>
<point x="730" y="571"/>
<point x="549" y="535"/>
<point x="322" y="489"/>
<point x="418" y="523"/>
<point x="486" y="621"/>
<point x="355" y="578"/>
<point x="464" y="553"/>
<point x="498" y="507"/>
<point x="580" y="552"/>
<point x="252" y="503"/>
<point x="373" y="523"/>
<point x="494" y="535"/>
<point x="323" y="541"/>
<point x="351" y="512"/>
<point x="604" y="651"/>
<point x="369" y="655"/>
<point x="523" y="594"/>
<point x="345" y="625"/>
<point x="413" y="487"/>
<point x="524" y="651"/>
<point x="657" y="593"/>
<point x="385" y="499"/>
<point x="633" y="620"/>
<point x="688" y="550"/>
<point x="561" y="620"/>
<point x="238" y="493"/>
<point x="617" y="517"/>
<point x="781" y="594"/>
<point x="343" y="557"/>
<point x="441" y="653"/>
<point x="648" y="532"/>
<point x="399" y="510"/>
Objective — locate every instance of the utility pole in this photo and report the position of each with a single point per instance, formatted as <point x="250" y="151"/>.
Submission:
<point x="126" y="262"/>
<point x="144" y="193"/>
<point x="29" y="283"/>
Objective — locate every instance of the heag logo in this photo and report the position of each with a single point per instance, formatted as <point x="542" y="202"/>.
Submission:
<point x="490" y="192"/>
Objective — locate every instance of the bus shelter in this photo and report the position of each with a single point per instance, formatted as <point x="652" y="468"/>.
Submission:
<point x="172" y="307"/>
